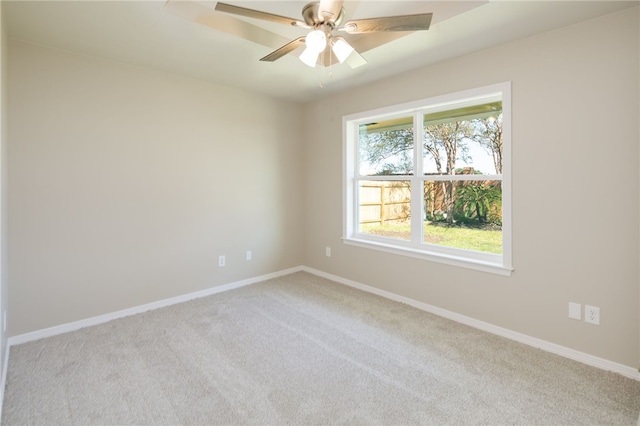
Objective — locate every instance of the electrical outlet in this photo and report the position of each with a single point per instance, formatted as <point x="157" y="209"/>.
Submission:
<point x="327" y="251"/>
<point x="222" y="261"/>
<point x="575" y="310"/>
<point x="249" y="255"/>
<point x="592" y="314"/>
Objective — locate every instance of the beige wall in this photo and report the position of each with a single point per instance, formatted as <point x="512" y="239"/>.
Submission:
<point x="575" y="114"/>
<point x="126" y="185"/>
<point x="4" y="232"/>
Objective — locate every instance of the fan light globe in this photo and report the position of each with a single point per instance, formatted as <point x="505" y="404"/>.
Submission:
<point x="341" y="49"/>
<point x="316" y="41"/>
<point x="309" y="57"/>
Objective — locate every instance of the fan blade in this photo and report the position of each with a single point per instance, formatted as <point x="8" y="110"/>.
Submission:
<point x="203" y="15"/>
<point x="330" y="10"/>
<point x="251" y="13"/>
<point x="365" y="42"/>
<point x="287" y="48"/>
<point x="390" y="23"/>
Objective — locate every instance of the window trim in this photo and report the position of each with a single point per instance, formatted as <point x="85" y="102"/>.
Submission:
<point x="499" y="264"/>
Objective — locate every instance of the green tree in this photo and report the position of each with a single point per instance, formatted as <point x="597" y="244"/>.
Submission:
<point x="488" y="133"/>
<point x="447" y="141"/>
<point x="474" y="199"/>
<point x="388" y="152"/>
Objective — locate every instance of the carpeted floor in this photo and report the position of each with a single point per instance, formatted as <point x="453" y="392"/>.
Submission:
<point x="302" y="350"/>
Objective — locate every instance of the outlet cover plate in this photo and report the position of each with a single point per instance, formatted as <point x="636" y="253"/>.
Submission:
<point x="575" y="310"/>
<point x="592" y="314"/>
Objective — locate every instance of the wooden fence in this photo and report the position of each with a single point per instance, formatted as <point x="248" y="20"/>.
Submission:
<point x="384" y="202"/>
<point x="390" y="201"/>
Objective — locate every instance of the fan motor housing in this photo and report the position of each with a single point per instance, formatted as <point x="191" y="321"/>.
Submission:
<point x="310" y="14"/>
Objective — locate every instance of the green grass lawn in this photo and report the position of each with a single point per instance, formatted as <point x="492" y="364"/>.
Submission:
<point x="487" y="241"/>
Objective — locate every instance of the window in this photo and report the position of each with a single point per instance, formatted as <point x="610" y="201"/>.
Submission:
<point x="431" y="179"/>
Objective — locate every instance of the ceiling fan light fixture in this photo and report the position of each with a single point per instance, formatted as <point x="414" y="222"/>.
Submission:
<point x="316" y="42"/>
<point x="341" y="48"/>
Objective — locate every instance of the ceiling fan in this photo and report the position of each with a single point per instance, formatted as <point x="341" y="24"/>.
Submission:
<point x="325" y="43"/>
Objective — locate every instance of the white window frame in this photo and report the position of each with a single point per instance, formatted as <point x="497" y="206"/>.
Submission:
<point x="487" y="262"/>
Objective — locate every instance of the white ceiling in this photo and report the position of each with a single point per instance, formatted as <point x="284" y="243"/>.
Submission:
<point x="148" y="34"/>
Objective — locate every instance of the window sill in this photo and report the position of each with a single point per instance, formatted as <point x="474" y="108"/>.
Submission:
<point x="463" y="262"/>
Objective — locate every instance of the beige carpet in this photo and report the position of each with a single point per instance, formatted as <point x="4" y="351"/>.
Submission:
<point x="302" y="350"/>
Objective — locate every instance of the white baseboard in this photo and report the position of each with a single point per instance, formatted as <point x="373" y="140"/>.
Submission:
<point x="500" y="331"/>
<point x="76" y="325"/>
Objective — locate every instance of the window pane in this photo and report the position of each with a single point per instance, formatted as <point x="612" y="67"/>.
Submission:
<point x="386" y="147"/>
<point x="385" y="208"/>
<point x="464" y="214"/>
<point x="448" y="152"/>
<point x="467" y="145"/>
